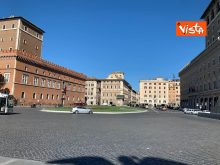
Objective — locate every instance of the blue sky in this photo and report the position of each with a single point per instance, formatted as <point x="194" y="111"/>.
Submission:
<point x="97" y="37"/>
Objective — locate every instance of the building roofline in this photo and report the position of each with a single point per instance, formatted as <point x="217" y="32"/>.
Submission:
<point x="92" y="79"/>
<point x="23" y="20"/>
<point x="214" y="46"/>
<point x="117" y="72"/>
<point x="207" y="9"/>
<point x="156" y="79"/>
<point x="34" y="59"/>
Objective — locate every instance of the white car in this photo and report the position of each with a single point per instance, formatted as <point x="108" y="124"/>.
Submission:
<point x="78" y="110"/>
<point x="185" y="109"/>
<point x="192" y="111"/>
<point x="188" y="111"/>
<point x="196" y="111"/>
<point x="206" y="111"/>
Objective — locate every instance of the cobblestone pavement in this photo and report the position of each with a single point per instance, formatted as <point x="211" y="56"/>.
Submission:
<point x="128" y="139"/>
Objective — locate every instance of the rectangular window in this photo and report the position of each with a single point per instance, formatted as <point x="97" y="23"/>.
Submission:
<point x="42" y="82"/>
<point x="34" y="96"/>
<point x="213" y="62"/>
<point x="215" y="85"/>
<point x="53" y="84"/>
<point x="217" y="7"/>
<point x="58" y="85"/>
<point x="49" y="83"/>
<point x="74" y="88"/>
<point x="210" y="87"/>
<point x="41" y="96"/>
<point x="48" y="96"/>
<point x="6" y="77"/>
<point x="36" y="81"/>
<point x="22" y="95"/>
<point x="25" y="42"/>
<point x="25" y="79"/>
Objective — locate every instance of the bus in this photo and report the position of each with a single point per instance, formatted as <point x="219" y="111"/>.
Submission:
<point x="6" y="104"/>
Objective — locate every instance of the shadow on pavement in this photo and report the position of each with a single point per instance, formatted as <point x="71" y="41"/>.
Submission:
<point x="14" y="113"/>
<point x="124" y="160"/>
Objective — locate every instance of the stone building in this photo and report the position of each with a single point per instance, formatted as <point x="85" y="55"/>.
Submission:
<point x="93" y="91"/>
<point x="30" y="78"/>
<point x="174" y="93"/>
<point x="115" y="90"/>
<point x="200" y="78"/>
<point x="134" y="98"/>
<point x="154" y="92"/>
<point x="160" y="91"/>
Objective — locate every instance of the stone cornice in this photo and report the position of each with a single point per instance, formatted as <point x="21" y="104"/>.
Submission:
<point x="203" y="54"/>
<point x="39" y="61"/>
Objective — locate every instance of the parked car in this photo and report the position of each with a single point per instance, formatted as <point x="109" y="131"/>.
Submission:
<point x="78" y="110"/>
<point x="196" y="111"/>
<point x="192" y="111"/>
<point x="206" y="111"/>
<point x="187" y="111"/>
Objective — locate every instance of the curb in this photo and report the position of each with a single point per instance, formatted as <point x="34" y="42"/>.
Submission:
<point x="45" y="110"/>
<point x="107" y="113"/>
<point x="117" y="113"/>
<point x="13" y="161"/>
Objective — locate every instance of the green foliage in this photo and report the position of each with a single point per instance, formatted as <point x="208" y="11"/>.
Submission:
<point x="101" y="109"/>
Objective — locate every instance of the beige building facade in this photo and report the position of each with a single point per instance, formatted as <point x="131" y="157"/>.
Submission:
<point x="134" y="98"/>
<point x="93" y="92"/>
<point x="113" y="90"/>
<point x="200" y="79"/>
<point x="154" y="92"/>
<point x="160" y="91"/>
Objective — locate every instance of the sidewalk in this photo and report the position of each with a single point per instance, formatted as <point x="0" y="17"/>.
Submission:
<point x="13" y="161"/>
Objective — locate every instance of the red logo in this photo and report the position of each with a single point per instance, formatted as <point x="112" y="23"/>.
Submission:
<point x="191" y="28"/>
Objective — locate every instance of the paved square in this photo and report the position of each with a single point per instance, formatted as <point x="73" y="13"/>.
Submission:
<point x="133" y="139"/>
